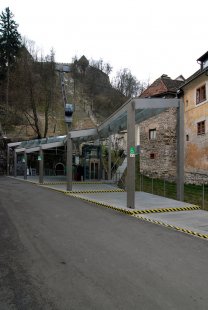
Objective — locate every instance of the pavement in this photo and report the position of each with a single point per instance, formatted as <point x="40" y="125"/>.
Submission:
<point x="58" y="252"/>
<point x="167" y="212"/>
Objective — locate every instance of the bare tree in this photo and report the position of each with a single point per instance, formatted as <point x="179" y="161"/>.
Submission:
<point x="34" y="83"/>
<point x="101" y="65"/>
<point x="128" y="84"/>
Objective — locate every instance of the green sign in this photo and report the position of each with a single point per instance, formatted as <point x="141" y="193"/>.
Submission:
<point x="132" y="151"/>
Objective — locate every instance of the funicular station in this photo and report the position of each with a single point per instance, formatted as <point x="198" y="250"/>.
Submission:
<point x="76" y="157"/>
<point x="86" y="163"/>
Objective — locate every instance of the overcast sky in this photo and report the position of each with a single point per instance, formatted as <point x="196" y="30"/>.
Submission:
<point x="148" y="37"/>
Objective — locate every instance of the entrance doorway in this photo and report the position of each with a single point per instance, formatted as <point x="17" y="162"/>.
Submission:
<point x="59" y="169"/>
<point x="94" y="169"/>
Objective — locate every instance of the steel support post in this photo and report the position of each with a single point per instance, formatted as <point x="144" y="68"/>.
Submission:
<point x="131" y="157"/>
<point x="69" y="163"/>
<point x="109" y="158"/>
<point x="8" y="159"/>
<point x="180" y="151"/>
<point x="41" y="165"/>
<point x="15" y="164"/>
<point x="25" y="168"/>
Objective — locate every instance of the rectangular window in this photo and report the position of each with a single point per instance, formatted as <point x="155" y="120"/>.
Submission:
<point x="152" y="156"/>
<point x="201" y="128"/>
<point x="152" y="134"/>
<point x="200" y="94"/>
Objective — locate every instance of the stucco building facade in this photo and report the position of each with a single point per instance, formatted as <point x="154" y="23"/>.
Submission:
<point x="195" y="93"/>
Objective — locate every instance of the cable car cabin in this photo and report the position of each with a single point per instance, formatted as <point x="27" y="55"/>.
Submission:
<point x="69" y="109"/>
<point x="91" y="158"/>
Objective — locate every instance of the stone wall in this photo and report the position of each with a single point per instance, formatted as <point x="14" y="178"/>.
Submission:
<point x="158" y="156"/>
<point x="196" y="178"/>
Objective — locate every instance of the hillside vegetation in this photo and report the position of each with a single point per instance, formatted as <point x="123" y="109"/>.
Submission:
<point x="31" y="102"/>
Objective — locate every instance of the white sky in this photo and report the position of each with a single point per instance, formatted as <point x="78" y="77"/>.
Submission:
<point x="148" y="37"/>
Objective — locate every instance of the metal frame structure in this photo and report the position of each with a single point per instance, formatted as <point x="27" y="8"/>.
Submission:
<point x="134" y="111"/>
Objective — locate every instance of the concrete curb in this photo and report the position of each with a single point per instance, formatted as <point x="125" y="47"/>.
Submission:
<point x="187" y="231"/>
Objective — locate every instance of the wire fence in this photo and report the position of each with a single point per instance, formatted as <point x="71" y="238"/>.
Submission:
<point x="194" y="194"/>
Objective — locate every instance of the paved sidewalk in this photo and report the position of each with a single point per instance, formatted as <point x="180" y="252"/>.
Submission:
<point x="143" y="201"/>
<point x="160" y="210"/>
<point x="196" y="221"/>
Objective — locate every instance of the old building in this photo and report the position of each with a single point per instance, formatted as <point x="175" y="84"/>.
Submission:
<point x="158" y="134"/>
<point x="195" y="92"/>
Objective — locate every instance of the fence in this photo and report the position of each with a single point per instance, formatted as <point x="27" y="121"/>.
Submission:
<point x="194" y="194"/>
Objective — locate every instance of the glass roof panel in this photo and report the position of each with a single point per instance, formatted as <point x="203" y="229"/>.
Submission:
<point x="37" y="142"/>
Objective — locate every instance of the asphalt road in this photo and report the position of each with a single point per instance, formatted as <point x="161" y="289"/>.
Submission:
<point x="57" y="252"/>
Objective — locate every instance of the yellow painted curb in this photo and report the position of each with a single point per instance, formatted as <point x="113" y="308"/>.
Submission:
<point x="187" y="231"/>
<point x="163" y="210"/>
<point x="95" y="191"/>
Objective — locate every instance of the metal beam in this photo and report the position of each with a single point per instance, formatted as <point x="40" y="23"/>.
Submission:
<point x="52" y="145"/>
<point x="33" y="149"/>
<point x="130" y="158"/>
<point x="83" y="133"/>
<point x="109" y="158"/>
<point x="20" y="150"/>
<point x="15" y="164"/>
<point x="69" y="163"/>
<point x="155" y="103"/>
<point x="41" y="165"/>
<point x="14" y="144"/>
<point x="180" y="151"/>
<point x="25" y="167"/>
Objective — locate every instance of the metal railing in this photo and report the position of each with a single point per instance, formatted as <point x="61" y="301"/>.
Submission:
<point x="194" y="194"/>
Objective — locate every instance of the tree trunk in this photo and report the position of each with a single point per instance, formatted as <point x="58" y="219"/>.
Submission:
<point x="46" y="119"/>
<point x="33" y="106"/>
<point x="7" y="87"/>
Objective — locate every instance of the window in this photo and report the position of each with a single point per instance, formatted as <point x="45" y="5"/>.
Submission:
<point x="152" y="156"/>
<point x="200" y="94"/>
<point x="201" y="128"/>
<point x="152" y="134"/>
<point x="187" y="137"/>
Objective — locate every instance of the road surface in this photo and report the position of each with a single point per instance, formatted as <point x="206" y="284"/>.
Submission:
<point x="57" y="252"/>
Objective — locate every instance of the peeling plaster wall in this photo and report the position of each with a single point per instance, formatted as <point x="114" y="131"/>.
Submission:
<point x="196" y="149"/>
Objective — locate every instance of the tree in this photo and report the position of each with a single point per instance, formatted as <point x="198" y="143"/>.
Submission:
<point x="48" y="77"/>
<point x="34" y="88"/>
<point x="127" y="84"/>
<point x="101" y="65"/>
<point x="10" y="43"/>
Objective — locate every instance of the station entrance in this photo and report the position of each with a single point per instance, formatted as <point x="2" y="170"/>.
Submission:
<point x="91" y="157"/>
